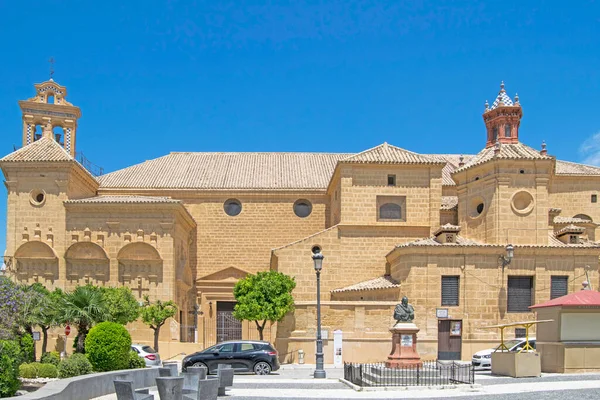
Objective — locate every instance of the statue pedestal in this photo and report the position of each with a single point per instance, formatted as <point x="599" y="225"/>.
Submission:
<point x="404" y="346"/>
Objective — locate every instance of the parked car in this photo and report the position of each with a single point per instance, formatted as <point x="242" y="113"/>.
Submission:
<point x="243" y="356"/>
<point x="483" y="358"/>
<point x="150" y="356"/>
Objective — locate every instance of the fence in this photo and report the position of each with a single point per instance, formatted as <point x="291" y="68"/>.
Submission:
<point x="431" y="373"/>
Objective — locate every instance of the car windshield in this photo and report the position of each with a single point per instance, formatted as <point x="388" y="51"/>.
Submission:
<point x="210" y="349"/>
<point x="148" y="349"/>
<point x="510" y="343"/>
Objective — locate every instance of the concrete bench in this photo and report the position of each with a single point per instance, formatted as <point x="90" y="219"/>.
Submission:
<point x="208" y="389"/>
<point x="124" y="391"/>
<point x="171" y="388"/>
<point x="225" y="376"/>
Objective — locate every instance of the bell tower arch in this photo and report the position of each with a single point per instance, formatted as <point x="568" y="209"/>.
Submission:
<point x="49" y="114"/>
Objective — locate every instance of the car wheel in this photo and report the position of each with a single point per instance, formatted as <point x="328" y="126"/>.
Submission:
<point x="262" y="368"/>
<point x="200" y="364"/>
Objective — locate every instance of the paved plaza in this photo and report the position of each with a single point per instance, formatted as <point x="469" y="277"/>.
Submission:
<point x="295" y="382"/>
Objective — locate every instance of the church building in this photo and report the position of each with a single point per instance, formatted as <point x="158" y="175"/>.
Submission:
<point x="471" y="240"/>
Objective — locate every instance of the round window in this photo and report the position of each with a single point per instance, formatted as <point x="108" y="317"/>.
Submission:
<point x="522" y="202"/>
<point x="37" y="197"/>
<point x="302" y="208"/>
<point x="232" y="207"/>
<point x="476" y="207"/>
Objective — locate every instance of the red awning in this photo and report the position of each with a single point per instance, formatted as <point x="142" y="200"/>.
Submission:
<point x="582" y="298"/>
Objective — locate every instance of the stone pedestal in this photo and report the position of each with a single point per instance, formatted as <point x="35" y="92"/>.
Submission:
<point x="404" y="346"/>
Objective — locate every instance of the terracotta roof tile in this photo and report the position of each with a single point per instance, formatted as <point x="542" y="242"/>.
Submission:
<point x="446" y="228"/>
<point x="388" y="154"/>
<point x="227" y="171"/>
<point x="514" y="151"/>
<point x="449" y="202"/>
<point x="123" y="199"/>
<point x="569" y="229"/>
<point x="571" y="168"/>
<point x="582" y="298"/>
<point x="383" y="282"/>
<point x="571" y="220"/>
<point x="44" y="149"/>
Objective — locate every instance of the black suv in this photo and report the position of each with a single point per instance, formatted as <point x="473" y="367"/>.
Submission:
<point x="243" y="356"/>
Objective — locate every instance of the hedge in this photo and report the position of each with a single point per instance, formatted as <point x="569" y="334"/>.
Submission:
<point x="75" y="365"/>
<point x="107" y="346"/>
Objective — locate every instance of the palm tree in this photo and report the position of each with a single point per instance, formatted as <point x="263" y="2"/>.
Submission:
<point x="83" y="307"/>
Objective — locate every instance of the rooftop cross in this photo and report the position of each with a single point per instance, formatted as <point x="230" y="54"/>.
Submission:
<point x="51" y="61"/>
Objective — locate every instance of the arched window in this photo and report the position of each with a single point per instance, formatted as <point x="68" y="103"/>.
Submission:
<point x="507" y="130"/>
<point x="390" y="211"/>
<point x="583" y="216"/>
<point x="495" y="133"/>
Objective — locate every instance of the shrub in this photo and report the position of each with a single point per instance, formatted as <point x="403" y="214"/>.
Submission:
<point x="76" y="365"/>
<point x="10" y="357"/>
<point x="50" y="358"/>
<point x="135" y="361"/>
<point x="26" y="342"/>
<point x="107" y="346"/>
<point x="47" y="371"/>
<point x="28" y="371"/>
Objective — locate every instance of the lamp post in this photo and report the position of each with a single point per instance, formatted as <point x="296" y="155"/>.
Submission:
<point x="510" y="253"/>
<point x="319" y="371"/>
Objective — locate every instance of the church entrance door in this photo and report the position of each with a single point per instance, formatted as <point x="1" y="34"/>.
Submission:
<point x="228" y="327"/>
<point x="449" y="339"/>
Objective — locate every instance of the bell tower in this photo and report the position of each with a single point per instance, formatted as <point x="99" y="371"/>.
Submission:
<point x="49" y="114"/>
<point x="502" y="119"/>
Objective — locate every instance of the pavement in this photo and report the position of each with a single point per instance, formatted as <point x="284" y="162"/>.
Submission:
<point x="295" y="382"/>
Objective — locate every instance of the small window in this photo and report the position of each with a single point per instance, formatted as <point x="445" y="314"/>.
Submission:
<point x="449" y="237"/>
<point x="520" y="332"/>
<point x="50" y="99"/>
<point x="246" y="347"/>
<point x="559" y="286"/>
<point x="232" y="207"/>
<point x="450" y="290"/>
<point x="521" y="171"/>
<point x="391" y="180"/>
<point x="479" y="208"/>
<point x="302" y="208"/>
<point x="573" y="239"/>
<point x="506" y="130"/>
<point x="495" y="134"/>
<point x="594" y="198"/>
<point x="390" y="211"/>
<point x="520" y="293"/>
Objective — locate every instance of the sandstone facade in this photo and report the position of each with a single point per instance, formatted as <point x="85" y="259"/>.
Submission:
<point x="389" y="222"/>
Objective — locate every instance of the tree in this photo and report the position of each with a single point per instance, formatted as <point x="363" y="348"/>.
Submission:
<point x="11" y="307"/>
<point x="50" y="314"/>
<point x="121" y="305"/>
<point x="266" y="296"/>
<point x="155" y="315"/>
<point x="83" y="307"/>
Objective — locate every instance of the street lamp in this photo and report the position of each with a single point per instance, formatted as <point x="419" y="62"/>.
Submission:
<point x="318" y="260"/>
<point x="510" y="253"/>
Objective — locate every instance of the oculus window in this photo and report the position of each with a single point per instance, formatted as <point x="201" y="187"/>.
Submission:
<point x="302" y="208"/>
<point x="232" y="207"/>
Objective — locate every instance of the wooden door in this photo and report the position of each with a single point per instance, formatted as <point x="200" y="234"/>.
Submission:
<point x="449" y="339"/>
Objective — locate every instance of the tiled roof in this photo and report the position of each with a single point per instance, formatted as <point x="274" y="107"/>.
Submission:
<point x="449" y="202"/>
<point x="582" y="298"/>
<point x="228" y="171"/>
<point x="554" y="210"/>
<point x="388" y="154"/>
<point x="452" y="163"/>
<point x="571" y="220"/>
<point x="446" y="228"/>
<point x="508" y="151"/>
<point x="571" y="168"/>
<point x="569" y="229"/>
<point x="123" y="199"/>
<point x="383" y="282"/>
<point x="430" y="241"/>
<point x="44" y="149"/>
<point x="554" y="242"/>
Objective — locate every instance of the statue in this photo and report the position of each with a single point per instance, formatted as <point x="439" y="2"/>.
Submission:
<point x="404" y="312"/>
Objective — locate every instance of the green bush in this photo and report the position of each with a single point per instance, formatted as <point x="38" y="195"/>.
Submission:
<point x="26" y="342"/>
<point x="135" y="361"/>
<point x="50" y="358"/>
<point x="28" y="370"/>
<point x="47" y="371"/>
<point x="10" y="357"/>
<point x="76" y="365"/>
<point x="107" y="346"/>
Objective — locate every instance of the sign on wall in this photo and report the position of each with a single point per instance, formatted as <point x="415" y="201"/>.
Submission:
<point x="337" y="348"/>
<point x="36" y="335"/>
<point x="406" y="341"/>
<point x="441" y="312"/>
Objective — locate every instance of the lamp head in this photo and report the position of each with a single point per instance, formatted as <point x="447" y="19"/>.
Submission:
<point x="510" y="251"/>
<point x="318" y="260"/>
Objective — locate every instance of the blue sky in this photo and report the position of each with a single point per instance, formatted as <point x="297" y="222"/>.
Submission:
<point x="333" y="76"/>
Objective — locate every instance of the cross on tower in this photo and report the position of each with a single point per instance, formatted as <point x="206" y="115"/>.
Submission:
<point x="140" y="288"/>
<point x="51" y="61"/>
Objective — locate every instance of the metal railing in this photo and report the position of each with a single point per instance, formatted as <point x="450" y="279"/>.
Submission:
<point x="431" y="373"/>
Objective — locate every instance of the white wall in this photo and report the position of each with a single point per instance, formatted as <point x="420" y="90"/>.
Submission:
<point x="580" y="326"/>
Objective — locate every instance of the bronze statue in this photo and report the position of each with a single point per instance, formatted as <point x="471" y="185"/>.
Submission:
<point x="404" y="312"/>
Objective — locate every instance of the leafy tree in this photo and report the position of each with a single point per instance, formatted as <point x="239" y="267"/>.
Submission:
<point x="83" y="307"/>
<point x="11" y="308"/>
<point x="155" y="315"/>
<point x="10" y="358"/>
<point x="266" y="296"/>
<point x="107" y="346"/>
<point x="121" y="305"/>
